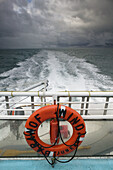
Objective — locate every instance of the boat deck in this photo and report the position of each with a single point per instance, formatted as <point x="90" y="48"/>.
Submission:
<point x="81" y="164"/>
<point x="96" y="108"/>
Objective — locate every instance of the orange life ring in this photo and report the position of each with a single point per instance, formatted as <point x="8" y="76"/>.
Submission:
<point x="48" y="112"/>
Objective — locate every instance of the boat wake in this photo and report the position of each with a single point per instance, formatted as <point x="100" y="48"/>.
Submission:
<point x="64" y="72"/>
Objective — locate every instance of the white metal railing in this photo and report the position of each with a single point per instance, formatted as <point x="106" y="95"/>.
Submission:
<point x="88" y="104"/>
<point x="11" y="101"/>
<point x="58" y="94"/>
<point x="85" y="117"/>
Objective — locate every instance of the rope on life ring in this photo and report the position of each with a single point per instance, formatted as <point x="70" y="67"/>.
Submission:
<point x="49" y="112"/>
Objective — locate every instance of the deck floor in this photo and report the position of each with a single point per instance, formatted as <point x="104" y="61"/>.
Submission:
<point x="77" y="164"/>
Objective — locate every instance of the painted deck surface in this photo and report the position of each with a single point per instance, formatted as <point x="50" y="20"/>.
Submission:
<point x="78" y="164"/>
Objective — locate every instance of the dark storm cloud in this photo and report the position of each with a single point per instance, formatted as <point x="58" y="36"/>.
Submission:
<point x="52" y="23"/>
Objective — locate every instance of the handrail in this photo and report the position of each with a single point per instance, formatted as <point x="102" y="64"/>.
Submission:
<point x="61" y="94"/>
<point x="85" y="117"/>
<point x="83" y="101"/>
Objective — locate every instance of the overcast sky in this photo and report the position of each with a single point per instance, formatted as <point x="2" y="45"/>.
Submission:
<point x="55" y="23"/>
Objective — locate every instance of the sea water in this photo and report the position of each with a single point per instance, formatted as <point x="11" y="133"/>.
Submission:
<point x="66" y="69"/>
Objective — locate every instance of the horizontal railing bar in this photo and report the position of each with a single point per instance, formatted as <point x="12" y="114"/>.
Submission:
<point x="85" y="117"/>
<point x="61" y="94"/>
<point x="85" y="102"/>
<point x="57" y="102"/>
<point x="25" y="102"/>
<point x="18" y="109"/>
<point x="102" y="157"/>
<point x="44" y="82"/>
<point x="90" y="109"/>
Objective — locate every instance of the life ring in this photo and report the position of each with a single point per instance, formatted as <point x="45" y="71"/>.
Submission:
<point x="48" y="112"/>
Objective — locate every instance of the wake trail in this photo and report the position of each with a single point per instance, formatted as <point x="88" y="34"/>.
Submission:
<point x="63" y="71"/>
<point x="74" y="74"/>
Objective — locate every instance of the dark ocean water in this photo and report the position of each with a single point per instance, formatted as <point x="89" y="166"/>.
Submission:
<point x="66" y="69"/>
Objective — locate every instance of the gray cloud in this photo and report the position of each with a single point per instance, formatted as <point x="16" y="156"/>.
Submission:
<point x="52" y="23"/>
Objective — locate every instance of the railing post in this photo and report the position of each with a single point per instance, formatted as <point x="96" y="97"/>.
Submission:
<point x="54" y="99"/>
<point x="82" y="105"/>
<point x="41" y="101"/>
<point x="44" y="98"/>
<point x="7" y="103"/>
<point x="32" y="104"/>
<point x="58" y="99"/>
<point x="70" y="101"/>
<point x="87" y="105"/>
<point x="106" y="106"/>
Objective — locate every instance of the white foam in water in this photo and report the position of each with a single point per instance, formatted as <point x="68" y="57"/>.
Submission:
<point x="74" y="74"/>
<point x="64" y="72"/>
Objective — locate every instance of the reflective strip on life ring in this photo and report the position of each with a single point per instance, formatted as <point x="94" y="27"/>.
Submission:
<point x="13" y="112"/>
<point x="48" y="112"/>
